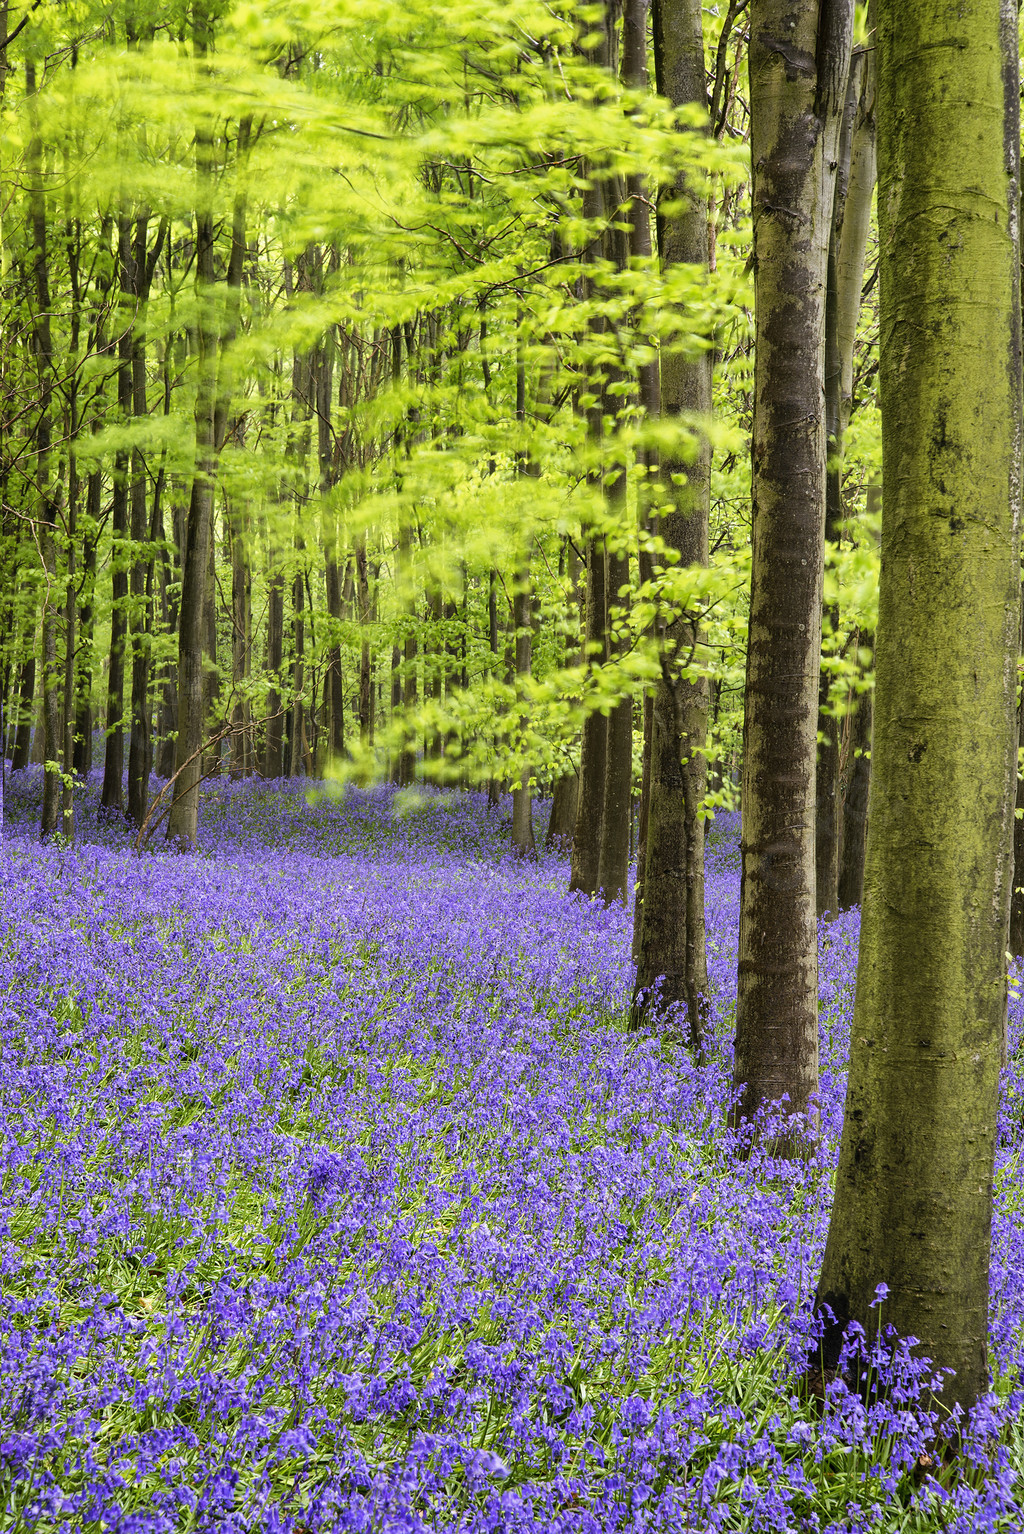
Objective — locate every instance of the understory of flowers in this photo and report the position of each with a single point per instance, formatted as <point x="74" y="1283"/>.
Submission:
<point x="337" y="1196"/>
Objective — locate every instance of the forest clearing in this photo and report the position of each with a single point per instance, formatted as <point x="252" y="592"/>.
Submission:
<point x="337" y="1196"/>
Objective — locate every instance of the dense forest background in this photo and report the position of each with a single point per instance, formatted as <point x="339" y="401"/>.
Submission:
<point x="330" y="377"/>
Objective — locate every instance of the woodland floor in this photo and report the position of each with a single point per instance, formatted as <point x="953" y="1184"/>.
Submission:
<point x="335" y="1196"/>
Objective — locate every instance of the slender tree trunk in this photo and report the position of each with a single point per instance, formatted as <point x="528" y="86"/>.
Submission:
<point x="799" y="58"/>
<point x="913" y="1200"/>
<point x="42" y="345"/>
<point x="855" y="808"/>
<point x="70" y="615"/>
<point x="169" y="608"/>
<point x="273" y="762"/>
<point x="183" y="820"/>
<point x="855" y="177"/>
<point x="26" y="694"/>
<point x="616" y="816"/>
<point x="86" y="620"/>
<point x="493" y="783"/>
<point x="671" y="950"/>
<point x="241" y="642"/>
<point x="522" y="799"/>
<point x="140" y="751"/>
<point x="297" y="733"/>
<point x="112" y="791"/>
<point x="586" y="837"/>
<point x="365" y="652"/>
<point x="407" y="761"/>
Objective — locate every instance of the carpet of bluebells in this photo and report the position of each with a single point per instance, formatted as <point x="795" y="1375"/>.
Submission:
<point x="337" y="1196"/>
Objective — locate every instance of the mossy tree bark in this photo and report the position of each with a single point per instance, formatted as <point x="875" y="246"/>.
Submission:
<point x="799" y="60"/>
<point x="671" y="951"/>
<point x="913" y="1196"/>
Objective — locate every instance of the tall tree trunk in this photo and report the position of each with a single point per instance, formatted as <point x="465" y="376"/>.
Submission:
<point x="183" y="820"/>
<point x="586" y="836"/>
<point x="855" y="807"/>
<point x="297" y="732"/>
<point x="170" y="565"/>
<point x="86" y="621"/>
<point x="799" y="58"/>
<point x="613" y="856"/>
<point x="42" y="345"/>
<point x="855" y="178"/>
<point x="641" y="195"/>
<point x="273" y="761"/>
<point x="213" y="334"/>
<point x="407" y="760"/>
<point x="493" y="783"/>
<point x="140" y="750"/>
<point x="70" y="615"/>
<point x="365" y="652"/>
<point x="671" y="948"/>
<point x="112" y="791"/>
<point x="522" y="798"/>
<point x="913" y="1200"/>
<point x="22" y="748"/>
<point x="241" y="642"/>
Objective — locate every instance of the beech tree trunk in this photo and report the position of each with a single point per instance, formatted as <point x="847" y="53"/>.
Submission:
<point x="86" y="620"/>
<point x="586" y="836"/>
<point x="241" y="642"/>
<point x="799" y="58"/>
<point x="42" y="342"/>
<point x="613" y="858"/>
<point x="671" y="953"/>
<point x="913" y="1200"/>
<point x="273" y="761"/>
<point x="855" y="183"/>
<point x="140" y="749"/>
<point x="183" y="820"/>
<point x="522" y="799"/>
<point x="112" y="791"/>
<point x="22" y="747"/>
<point x="855" y="807"/>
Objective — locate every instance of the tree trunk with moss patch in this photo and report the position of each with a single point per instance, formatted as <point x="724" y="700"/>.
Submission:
<point x="913" y="1202"/>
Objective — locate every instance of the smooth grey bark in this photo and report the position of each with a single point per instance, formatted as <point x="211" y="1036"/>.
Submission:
<point x="140" y="749"/>
<point x="42" y="345"/>
<point x="112" y="791"/>
<point x="799" y="58"/>
<point x="670" y="947"/>
<point x="183" y="819"/>
<point x="855" y="181"/>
